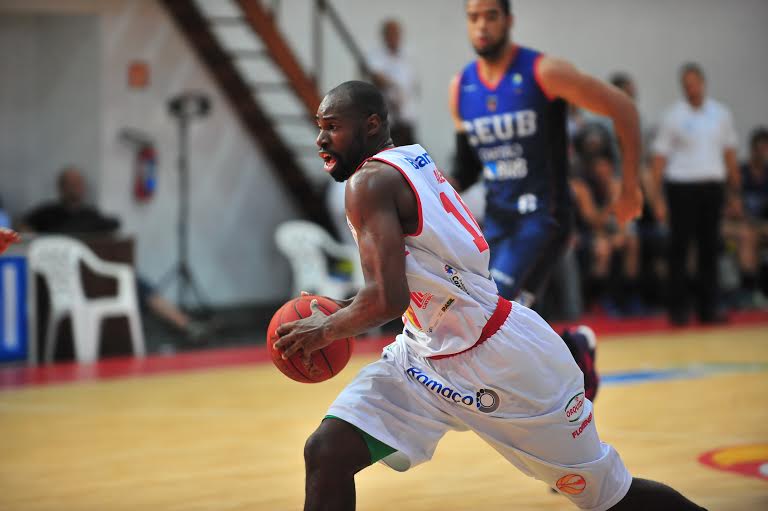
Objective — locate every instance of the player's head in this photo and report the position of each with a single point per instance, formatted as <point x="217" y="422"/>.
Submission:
<point x="624" y="82"/>
<point x="694" y="83"/>
<point x="71" y="186"/>
<point x="353" y="126"/>
<point x="488" y="24"/>
<point x="391" y="35"/>
<point x="758" y="145"/>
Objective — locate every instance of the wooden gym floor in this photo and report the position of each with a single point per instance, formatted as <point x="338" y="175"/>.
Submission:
<point x="231" y="437"/>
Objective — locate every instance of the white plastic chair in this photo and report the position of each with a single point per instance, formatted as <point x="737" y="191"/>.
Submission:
<point x="57" y="259"/>
<point x="306" y="245"/>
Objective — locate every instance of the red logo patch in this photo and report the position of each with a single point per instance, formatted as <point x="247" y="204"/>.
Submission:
<point x="572" y="484"/>
<point x="745" y="460"/>
<point x="421" y="299"/>
<point x="575" y="407"/>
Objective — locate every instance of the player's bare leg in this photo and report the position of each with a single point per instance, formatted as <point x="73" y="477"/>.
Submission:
<point x="333" y="454"/>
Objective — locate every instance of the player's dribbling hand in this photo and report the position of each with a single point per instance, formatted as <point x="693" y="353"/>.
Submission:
<point x="629" y="205"/>
<point x="305" y="336"/>
<point x="8" y="236"/>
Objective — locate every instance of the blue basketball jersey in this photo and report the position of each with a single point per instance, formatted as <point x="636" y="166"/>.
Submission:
<point x="519" y="134"/>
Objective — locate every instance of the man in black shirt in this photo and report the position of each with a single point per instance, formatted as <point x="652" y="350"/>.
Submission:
<point x="69" y="214"/>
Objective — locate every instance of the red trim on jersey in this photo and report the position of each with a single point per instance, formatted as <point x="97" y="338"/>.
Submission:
<point x="492" y="86"/>
<point x="415" y="192"/>
<point x="537" y="76"/>
<point x="371" y="158"/>
<point x="499" y="316"/>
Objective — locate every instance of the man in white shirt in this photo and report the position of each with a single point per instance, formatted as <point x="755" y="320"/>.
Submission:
<point x="395" y="77"/>
<point x="695" y="156"/>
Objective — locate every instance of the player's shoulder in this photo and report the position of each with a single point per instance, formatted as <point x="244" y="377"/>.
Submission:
<point x="375" y="172"/>
<point x="465" y="73"/>
<point x="528" y="52"/>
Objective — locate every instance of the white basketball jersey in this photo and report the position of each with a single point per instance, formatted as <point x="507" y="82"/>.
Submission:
<point x="452" y="292"/>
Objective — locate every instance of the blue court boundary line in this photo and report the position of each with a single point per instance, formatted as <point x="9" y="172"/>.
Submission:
<point x="679" y="373"/>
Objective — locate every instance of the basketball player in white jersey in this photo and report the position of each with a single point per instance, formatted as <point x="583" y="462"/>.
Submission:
<point x="467" y="359"/>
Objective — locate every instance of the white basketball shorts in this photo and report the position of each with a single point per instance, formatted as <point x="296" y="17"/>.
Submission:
<point x="520" y="391"/>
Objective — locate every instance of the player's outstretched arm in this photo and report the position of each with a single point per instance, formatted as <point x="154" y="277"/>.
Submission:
<point x="7" y="237"/>
<point x="560" y="78"/>
<point x="467" y="165"/>
<point x="376" y="201"/>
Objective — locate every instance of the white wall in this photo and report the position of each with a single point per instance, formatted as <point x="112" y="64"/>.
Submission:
<point x="49" y="104"/>
<point x="649" y="39"/>
<point x="235" y="200"/>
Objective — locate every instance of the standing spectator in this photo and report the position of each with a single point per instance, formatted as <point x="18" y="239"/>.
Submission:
<point x="694" y="154"/>
<point x="749" y="227"/>
<point x="396" y="78"/>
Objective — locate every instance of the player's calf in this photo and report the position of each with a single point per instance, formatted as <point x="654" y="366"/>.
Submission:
<point x="333" y="454"/>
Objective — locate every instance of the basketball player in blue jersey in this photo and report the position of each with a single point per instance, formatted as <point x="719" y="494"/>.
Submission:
<point x="467" y="360"/>
<point x="509" y="111"/>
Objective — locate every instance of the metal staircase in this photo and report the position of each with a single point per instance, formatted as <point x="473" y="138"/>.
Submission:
<point x="275" y="98"/>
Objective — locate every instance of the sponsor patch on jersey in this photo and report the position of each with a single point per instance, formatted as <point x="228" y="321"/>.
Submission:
<point x="440" y="313"/>
<point x="491" y="103"/>
<point x="420" y="161"/>
<point x="575" y="407"/>
<point x="575" y="433"/>
<point x="572" y="484"/>
<point x="485" y="400"/>
<point x="421" y="299"/>
<point x="410" y="315"/>
<point x="455" y="277"/>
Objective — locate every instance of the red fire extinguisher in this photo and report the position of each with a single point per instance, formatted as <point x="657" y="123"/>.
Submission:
<point x="145" y="177"/>
<point x="144" y="162"/>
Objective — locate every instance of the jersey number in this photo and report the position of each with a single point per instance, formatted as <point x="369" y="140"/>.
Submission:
<point x="474" y="230"/>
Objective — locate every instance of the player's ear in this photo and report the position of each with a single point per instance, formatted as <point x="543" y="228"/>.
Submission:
<point x="373" y="124"/>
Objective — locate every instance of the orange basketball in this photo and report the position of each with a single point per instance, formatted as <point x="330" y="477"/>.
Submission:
<point x="572" y="484"/>
<point x="331" y="359"/>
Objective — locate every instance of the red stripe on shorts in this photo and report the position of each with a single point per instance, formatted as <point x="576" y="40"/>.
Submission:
<point x="499" y="316"/>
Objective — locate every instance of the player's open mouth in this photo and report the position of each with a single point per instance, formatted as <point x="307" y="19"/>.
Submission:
<point x="329" y="159"/>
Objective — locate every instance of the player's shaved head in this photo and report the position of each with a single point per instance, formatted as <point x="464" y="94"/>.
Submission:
<point x="358" y="98"/>
<point x="353" y="126"/>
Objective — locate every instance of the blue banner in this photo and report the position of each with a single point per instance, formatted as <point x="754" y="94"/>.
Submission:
<point x="13" y="308"/>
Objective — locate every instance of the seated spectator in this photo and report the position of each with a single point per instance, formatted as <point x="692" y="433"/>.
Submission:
<point x="609" y="254"/>
<point x="746" y="221"/>
<point x="72" y="216"/>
